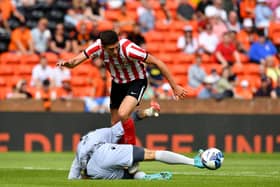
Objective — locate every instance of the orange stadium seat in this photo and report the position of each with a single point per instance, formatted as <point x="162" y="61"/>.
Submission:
<point x="209" y="67"/>
<point x="153" y="47"/>
<point x="133" y="5"/>
<point x="29" y="59"/>
<point x="154" y="36"/>
<point x="6" y="70"/>
<point x="10" y="58"/>
<point x="247" y="8"/>
<point x="252" y="69"/>
<point x="254" y="80"/>
<point x="25" y="69"/>
<point x="51" y="57"/>
<point x="104" y="25"/>
<point x="182" y="58"/>
<point x="181" y="79"/>
<point x="169" y="47"/>
<point x="79" y="81"/>
<point x="167" y="59"/>
<point x="112" y="15"/>
<point x="66" y="55"/>
<point x="179" y="69"/>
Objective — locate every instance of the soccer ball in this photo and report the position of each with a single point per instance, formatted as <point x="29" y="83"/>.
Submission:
<point x="212" y="158"/>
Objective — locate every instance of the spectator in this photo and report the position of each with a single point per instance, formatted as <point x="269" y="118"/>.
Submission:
<point x="74" y="16"/>
<point x="21" y="40"/>
<point x="208" y="40"/>
<point x="224" y="85"/>
<point x="59" y="43"/>
<point x="276" y="91"/>
<point x="82" y="38"/>
<point x="146" y="16"/>
<point x="46" y="94"/>
<point x="4" y="25"/>
<point x="41" y="36"/>
<point x="155" y="76"/>
<point x="196" y="73"/>
<point x="7" y="10"/>
<point x="187" y="43"/>
<point x="208" y="91"/>
<point x="244" y="91"/>
<point x="41" y="72"/>
<point x="272" y="71"/>
<point x="273" y="4"/>
<point x="167" y="14"/>
<point x="185" y="11"/>
<point x="233" y="23"/>
<point x="261" y="49"/>
<point x="125" y="21"/>
<point x="20" y="91"/>
<point x="59" y="75"/>
<point x="214" y="75"/>
<point x="94" y="10"/>
<point x="265" y="88"/>
<point x="164" y="92"/>
<point x="219" y="26"/>
<point x="137" y="37"/>
<point x="200" y="9"/>
<point x="263" y="14"/>
<point x="219" y="11"/>
<point x="226" y="52"/>
<point x="115" y="4"/>
<point x="65" y="91"/>
<point x="247" y="35"/>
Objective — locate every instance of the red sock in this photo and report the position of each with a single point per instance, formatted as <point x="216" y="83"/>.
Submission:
<point x="129" y="136"/>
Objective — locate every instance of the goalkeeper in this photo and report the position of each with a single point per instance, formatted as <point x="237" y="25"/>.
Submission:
<point x="99" y="156"/>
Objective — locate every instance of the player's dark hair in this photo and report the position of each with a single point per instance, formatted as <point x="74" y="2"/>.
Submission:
<point x="108" y="37"/>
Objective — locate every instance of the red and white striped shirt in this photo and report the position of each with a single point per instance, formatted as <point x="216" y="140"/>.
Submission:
<point x="127" y="66"/>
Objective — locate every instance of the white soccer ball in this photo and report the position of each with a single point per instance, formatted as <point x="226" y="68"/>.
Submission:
<point x="212" y="158"/>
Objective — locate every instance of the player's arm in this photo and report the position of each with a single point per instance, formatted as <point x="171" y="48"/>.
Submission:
<point x="75" y="170"/>
<point x="73" y="62"/>
<point x="179" y="91"/>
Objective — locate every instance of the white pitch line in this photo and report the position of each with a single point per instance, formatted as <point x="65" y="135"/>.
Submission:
<point x="210" y="173"/>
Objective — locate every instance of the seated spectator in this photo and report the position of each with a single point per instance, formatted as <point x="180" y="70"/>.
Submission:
<point x="164" y="92"/>
<point x="59" y="42"/>
<point x="276" y="91"/>
<point x="59" y="75"/>
<point x="273" y="4"/>
<point x="21" y="40"/>
<point x="94" y="10"/>
<point x="74" y="16"/>
<point x="261" y="49"/>
<point x="200" y="9"/>
<point x="185" y="11"/>
<point x="155" y="76"/>
<point x="8" y="10"/>
<point x="146" y="16"/>
<point x="233" y="23"/>
<point x="188" y="43"/>
<point x="265" y="88"/>
<point x="46" y="94"/>
<point x="220" y="12"/>
<point x="226" y="52"/>
<point x="41" y="36"/>
<point x="196" y="73"/>
<point x="208" y="40"/>
<point x="272" y="71"/>
<point x="115" y="4"/>
<point x="137" y="37"/>
<point x="263" y="13"/>
<point x="82" y="38"/>
<point x="20" y="91"/>
<point x="4" y="25"/>
<point x="208" y="91"/>
<point x="65" y="91"/>
<point x="224" y="86"/>
<point x="247" y="35"/>
<point x="214" y="75"/>
<point x="41" y="72"/>
<point x="125" y="21"/>
<point x="243" y="91"/>
<point x="219" y="26"/>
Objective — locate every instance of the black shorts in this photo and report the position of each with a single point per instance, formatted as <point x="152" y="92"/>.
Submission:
<point x="134" y="88"/>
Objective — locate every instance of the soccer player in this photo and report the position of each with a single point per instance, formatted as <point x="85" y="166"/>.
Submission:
<point x="99" y="157"/>
<point x="124" y="60"/>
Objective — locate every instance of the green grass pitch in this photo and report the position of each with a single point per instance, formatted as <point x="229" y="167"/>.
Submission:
<point x="51" y="169"/>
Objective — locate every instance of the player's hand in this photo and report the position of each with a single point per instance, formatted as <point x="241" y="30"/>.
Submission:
<point x="63" y="63"/>
<point x="180" y="92"/>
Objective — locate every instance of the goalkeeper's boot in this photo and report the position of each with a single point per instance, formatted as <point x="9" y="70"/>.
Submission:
<point x="134" y="168"/>
<point x="154" y="109"/>
<point x="197" y="159"/>
<point x="166" y="175"/>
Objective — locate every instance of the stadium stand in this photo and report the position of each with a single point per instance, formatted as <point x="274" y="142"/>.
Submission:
<point x="161" y="42"/>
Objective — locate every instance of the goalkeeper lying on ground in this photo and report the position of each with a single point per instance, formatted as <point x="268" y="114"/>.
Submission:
<point x="100" y="157"/>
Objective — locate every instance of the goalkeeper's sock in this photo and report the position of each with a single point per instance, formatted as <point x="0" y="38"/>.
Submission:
<point x="173" y="158"/>
<point x="129" y="136"/>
